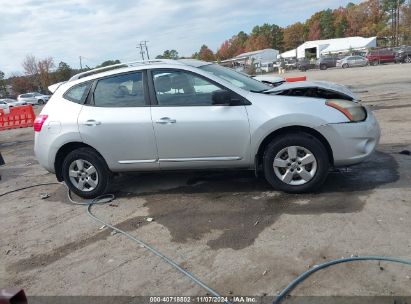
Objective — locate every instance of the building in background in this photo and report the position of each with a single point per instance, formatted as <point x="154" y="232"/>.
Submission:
<point x="318" y="48"/>
<point x="260" y="59"/>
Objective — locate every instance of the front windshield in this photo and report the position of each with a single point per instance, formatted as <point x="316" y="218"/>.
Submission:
<point x="235" y="78"/>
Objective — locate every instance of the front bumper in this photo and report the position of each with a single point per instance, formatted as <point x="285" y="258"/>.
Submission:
<point x="352" y="143"/>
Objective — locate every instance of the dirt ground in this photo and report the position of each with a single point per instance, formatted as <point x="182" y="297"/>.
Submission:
<point x="230" y="229"/>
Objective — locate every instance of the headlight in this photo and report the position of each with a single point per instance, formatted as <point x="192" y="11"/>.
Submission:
<point x="354" y="111"/>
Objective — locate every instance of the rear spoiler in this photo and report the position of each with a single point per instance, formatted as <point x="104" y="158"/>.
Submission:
<point x="55" y="86"/>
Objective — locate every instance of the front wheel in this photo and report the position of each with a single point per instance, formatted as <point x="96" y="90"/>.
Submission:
<point x="296" y="163"/>
<point x="41" y="101"/>
<point x="85" y="173"/>
<point x="407" y="59"/>
<point x="345" y="65"/>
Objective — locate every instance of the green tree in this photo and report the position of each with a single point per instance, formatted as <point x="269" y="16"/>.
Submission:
<point x="168" y="54"/>
<point x="327" y="24"/>
<point x="108" y="62"/>
<point x="341" y="27"/>
<point x="63" y="72"/>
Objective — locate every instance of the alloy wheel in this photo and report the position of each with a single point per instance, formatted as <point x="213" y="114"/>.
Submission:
<point x="295" y="165"/>
<point x="83" y="175"/>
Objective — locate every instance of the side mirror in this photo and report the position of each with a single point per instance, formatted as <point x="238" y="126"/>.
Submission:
<point x="221" y="98"/>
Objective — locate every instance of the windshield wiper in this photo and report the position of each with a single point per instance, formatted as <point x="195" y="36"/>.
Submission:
<point x="261" y="91"/>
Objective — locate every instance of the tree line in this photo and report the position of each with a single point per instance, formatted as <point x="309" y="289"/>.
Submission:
<point x="389" y="20"/>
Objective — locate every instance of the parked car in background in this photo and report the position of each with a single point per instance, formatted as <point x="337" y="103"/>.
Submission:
<point x="380" y="56"/>
<point x="266" y="67"/>
<point x="291" y="63"/>
<point x="14" y="102"/>
<point x="403" y="55"/>
<point x="5" y="107"/>
<point x="352" y="61"/>
<point x="304" y="64"/>
<point x="190" y="114"/>
<point x="325" y="62"/>
<point x="33" y="98"/>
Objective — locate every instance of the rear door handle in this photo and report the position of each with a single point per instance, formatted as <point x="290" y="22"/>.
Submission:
<point x="92" y="122"/>
<point x="166" y="120"/>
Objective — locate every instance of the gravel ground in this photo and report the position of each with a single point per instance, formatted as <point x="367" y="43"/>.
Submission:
<point x="229" y="228"/>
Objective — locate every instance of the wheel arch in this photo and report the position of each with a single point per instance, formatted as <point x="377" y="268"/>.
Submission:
<point x="287" y="130"/>
<point x="62" y="153"/>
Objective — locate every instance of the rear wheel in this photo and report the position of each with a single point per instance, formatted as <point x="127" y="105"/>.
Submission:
<point x="323" y="66"/>
<point x="296" y="163"/>
<point x="345" y="65"/>
<point x="408" y="59"/>
<point x="85" y="173"/>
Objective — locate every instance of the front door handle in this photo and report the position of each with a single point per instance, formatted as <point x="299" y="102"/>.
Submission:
<point x="92" y="122"/>
<point x="166" y="120"/>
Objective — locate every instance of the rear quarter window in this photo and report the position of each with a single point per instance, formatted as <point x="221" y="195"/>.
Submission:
<point x="78" y="93"/>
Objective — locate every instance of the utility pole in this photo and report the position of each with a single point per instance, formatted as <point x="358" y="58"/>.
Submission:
<point x="140" y="46"/>
<point x="145" y="45"/>
<point x="81" y="65"/>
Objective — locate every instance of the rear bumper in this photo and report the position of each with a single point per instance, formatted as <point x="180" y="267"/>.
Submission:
<point x="43" y="152"/>
<point x="352" y="143"/>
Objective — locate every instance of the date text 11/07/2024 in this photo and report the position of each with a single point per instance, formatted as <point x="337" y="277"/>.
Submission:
<point x="202" y="299"/>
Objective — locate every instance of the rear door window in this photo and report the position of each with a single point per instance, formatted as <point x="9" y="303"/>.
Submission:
<point x="126" y="90"/>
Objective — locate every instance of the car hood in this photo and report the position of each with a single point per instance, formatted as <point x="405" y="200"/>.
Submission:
<point x="325" y="85"/>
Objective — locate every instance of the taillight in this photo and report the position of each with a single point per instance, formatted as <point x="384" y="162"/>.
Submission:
<point x="38" y="122"/>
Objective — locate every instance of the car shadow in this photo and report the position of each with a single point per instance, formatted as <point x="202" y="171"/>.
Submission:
<point x="240" y="206"/>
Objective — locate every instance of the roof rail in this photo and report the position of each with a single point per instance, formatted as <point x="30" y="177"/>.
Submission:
<point x="121" y="65"/>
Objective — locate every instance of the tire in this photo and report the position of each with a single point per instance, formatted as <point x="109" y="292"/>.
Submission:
<point x="41" y="101"/>
<point x="86" y="184"/>
<point x="317" y="166"/>
<point x="323" y="67"/>
<point x="345" y="65"/>
<point x="407" y="59"/>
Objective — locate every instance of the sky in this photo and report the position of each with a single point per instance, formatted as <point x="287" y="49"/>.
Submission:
<point x="99" y="30"/>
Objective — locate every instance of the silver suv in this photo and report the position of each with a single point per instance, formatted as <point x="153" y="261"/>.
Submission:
<point x="188" y="114"/>
<point x="33" y="98"/>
